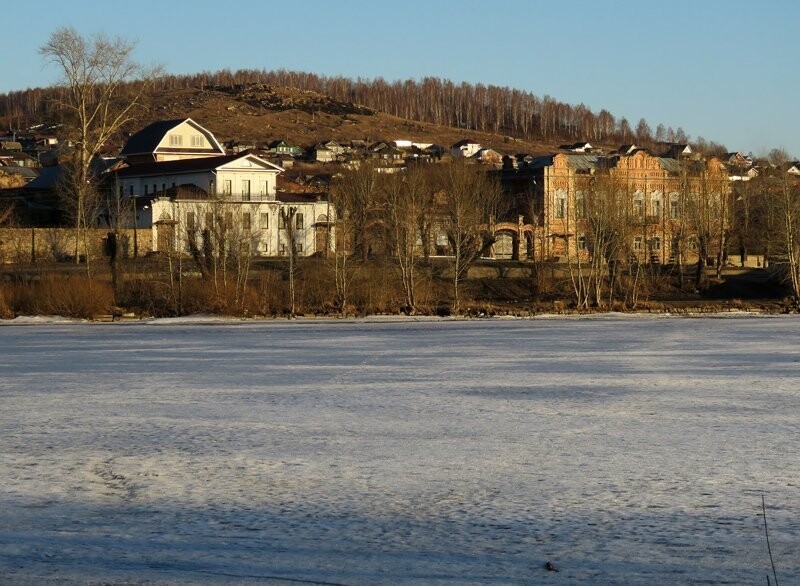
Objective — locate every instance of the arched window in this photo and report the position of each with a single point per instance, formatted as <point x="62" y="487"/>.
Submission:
<point x="561" y="204"/>
<point x="580" y="205"/>
<point x="674" y="206"/>
<point x="655" y="204"/>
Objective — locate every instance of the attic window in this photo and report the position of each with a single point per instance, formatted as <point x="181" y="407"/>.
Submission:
<point x="175" y="140"/>
<point x="197" y="140"/>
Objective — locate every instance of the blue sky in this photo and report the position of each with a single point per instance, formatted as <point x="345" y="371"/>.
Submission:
<point x="721" y="70"/>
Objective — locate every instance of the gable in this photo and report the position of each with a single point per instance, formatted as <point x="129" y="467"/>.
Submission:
<point x="250" y="163"/>
<point x="172" y="136"/>
<point x="188" y="135"/>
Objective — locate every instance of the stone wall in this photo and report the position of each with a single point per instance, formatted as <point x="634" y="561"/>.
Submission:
<point x="23" y="245"/>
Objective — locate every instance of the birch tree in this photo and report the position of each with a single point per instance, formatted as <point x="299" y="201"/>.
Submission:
<point x="408" y="200"/>
<point x="470" y="202"/>
<point x="97" y="100"/>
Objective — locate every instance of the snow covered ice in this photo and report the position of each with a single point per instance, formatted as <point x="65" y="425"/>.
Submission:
<point x="622" y="449"/>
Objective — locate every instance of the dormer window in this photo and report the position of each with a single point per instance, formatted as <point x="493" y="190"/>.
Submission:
<point x="175" y="140"/>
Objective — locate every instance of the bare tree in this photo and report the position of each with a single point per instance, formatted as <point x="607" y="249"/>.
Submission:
<point x="790" y="218"/>
<point x="706" y="212"/>
<point x="222" y="249"/>
<point x="408" y="199"/>
<point x="783" y="195"/>
<point x="354" y="198"/>
<point x="288" y="219"/>
<point x="340" y="254"/>
<point x="356" y="191"/>
<point x="469" y="201"/>
<point x="97" y="101"/>
<point x="608" y="234"/>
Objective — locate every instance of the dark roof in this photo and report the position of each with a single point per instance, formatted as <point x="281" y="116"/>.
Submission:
<point x="289" y="197"/>
<point x="15" y="154"/>
<point x="25" y="172"/>
<point x="47" y="179"/>
<point x="180" y="166"/>
<point x="464" y="142"/>
<point x="575" y="145"/>
<point x="147" y="139"/>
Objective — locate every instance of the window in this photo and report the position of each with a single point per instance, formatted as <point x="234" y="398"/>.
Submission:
<point x="245" y="190"/>
<point x="441" y="239"/>
<point x="580" y="205"/>
<point x="227" y="187"/>
<point x="299" y="247"/>
<point x="582" y="242"/>
<point x="228" y="220"/>
<point x="197" y="140"/>
<point x="209" y="220"/>
<point x="281" y="221"/>
<point x="655" y="207"/>
<point x="674" y="208"/>
<point x="155" y="188"/>
<point x="264" y="221"/>
<point x="175" y="140"/>
<point x="246" y="220"/>
<point x="298" y="221"/>
<point x="655" y="243"/>
<point x="264" y="188"/>
<point x="282" y="249"/>
<point x="121" y="191"/>
<point x="190" y="223"/>
<point x="637" y="243"/>
<point x="638" y="208"/>
<point x="561" y="207"/>
<point x="266" y="246"/>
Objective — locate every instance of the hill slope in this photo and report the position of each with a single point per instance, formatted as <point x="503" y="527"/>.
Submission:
<point x="258" y="113"/>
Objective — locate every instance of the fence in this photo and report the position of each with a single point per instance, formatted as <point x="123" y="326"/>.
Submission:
<point x="25" y="245"/>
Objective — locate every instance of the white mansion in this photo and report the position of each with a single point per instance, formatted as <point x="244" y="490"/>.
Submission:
<point x="183" y="184"/>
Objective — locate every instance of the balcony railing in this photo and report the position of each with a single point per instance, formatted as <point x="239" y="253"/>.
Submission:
<point x="243" y="196"/>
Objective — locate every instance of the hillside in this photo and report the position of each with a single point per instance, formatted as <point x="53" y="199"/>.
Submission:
<point x="488" y="113"/>
<point x="258" y="113"/>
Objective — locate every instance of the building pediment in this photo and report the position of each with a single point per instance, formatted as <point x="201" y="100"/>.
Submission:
<point x="250" y="163"/>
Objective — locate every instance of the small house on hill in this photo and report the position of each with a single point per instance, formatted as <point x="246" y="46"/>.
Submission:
<point x="465" y="148"/>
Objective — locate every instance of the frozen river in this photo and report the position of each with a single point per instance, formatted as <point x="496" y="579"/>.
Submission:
<point x="621" y="449"/>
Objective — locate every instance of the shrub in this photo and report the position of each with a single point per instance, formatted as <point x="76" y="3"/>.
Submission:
<point x="68" y="296"/>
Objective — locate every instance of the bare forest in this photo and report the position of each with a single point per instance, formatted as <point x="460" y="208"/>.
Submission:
<point x="485" y="108"/>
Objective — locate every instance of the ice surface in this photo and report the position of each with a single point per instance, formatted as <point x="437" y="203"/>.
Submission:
<point x="622" y="449"/>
